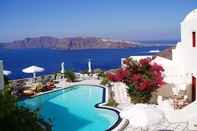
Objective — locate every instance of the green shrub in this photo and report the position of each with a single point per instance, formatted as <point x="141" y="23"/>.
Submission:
<point x="138" y="96"/>
<point x="14" y="118"/>
<point x="112" y="103"/>
<point x="105" y="81"/>
<point x="70" y="75"/>
<point x="101" y="74"/>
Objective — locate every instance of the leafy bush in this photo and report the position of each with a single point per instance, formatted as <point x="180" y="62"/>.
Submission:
<point x="105" y="81"/>
<point x="137" y="96"/>
<point x="101" y="74"/>
<point x="70" y="75"/>
<point x="142" y="78"/>
<point x="13" y="118"/>
<point x="112" y="103"/>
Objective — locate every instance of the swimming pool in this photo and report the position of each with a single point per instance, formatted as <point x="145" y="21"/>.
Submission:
<point x="73" y="109"/>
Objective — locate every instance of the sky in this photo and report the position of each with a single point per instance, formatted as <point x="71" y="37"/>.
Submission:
<point x="116" y="19"/>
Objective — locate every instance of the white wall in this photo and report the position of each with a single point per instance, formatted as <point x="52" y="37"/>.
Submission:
<point x="188" y="25"/>
<point x="1" y="75"/>
<point x="185" y="56"/>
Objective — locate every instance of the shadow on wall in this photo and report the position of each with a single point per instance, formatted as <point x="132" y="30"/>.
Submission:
<point x="166" y="92"/>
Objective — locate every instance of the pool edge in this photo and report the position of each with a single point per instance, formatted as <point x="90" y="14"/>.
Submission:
<point x="100" y="105"/>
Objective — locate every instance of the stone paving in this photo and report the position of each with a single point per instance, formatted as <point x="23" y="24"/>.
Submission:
<point x="163" y="126"/>
<point x="123" y="100"/>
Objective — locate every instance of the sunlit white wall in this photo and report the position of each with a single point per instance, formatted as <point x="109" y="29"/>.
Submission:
<point x="185" y="55"/>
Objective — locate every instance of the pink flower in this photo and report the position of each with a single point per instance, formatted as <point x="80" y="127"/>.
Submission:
<point x="136" y="77"/>
<point x="145" y="79"/>
<point x="145" y="61"/>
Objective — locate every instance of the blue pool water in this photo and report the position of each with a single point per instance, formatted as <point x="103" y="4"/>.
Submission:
<point x="17" y="59"/>
<point x="73" y="109"/>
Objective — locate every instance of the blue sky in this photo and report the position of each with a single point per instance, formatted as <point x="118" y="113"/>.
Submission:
<point x="118" y="19"/>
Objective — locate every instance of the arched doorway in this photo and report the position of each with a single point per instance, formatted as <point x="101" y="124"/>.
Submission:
<point x="193" y="88"/>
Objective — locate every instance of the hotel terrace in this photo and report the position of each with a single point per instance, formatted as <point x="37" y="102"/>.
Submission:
<point x="176" y="100"/>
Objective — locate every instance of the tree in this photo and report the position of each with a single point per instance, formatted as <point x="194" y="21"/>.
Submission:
<point x="14" y="118"/>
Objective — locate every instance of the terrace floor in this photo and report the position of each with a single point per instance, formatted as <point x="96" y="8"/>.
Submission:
<point x="120" y="95"/>
<point x="164" y="126"/>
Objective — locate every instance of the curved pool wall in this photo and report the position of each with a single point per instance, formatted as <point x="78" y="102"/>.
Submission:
<point x="99" y="105"/>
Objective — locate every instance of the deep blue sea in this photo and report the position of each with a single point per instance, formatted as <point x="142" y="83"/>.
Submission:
<point x="17" y="59"/>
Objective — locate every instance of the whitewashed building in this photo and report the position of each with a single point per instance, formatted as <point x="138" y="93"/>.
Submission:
<point x="1" y="75"/>
<point x="182" y="69"/>
<point x="180" y="74"/>
<point x="185" y="53"/>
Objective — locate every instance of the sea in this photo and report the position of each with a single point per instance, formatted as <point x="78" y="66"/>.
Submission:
<point x="77" y="60"/>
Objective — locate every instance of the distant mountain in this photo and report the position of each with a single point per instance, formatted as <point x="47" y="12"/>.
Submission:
<point x="68" y="43"/>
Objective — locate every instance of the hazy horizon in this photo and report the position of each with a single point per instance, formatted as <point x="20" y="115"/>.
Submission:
<point x="142" y="41"/>
<point x="136" y="20"/>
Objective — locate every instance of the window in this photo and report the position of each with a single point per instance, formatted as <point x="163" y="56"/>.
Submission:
<point x="194" y="39"/>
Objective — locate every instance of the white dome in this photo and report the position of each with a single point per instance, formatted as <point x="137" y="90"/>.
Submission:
<point x="191" y="16"/>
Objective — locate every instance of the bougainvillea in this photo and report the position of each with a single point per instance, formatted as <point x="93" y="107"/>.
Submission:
<point x="142" y="77"/>
<point x="119" y="75"/>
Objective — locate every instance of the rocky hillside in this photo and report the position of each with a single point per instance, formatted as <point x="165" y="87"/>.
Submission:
<point x="167" y="53"/>
<point x="68" y="43"/>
